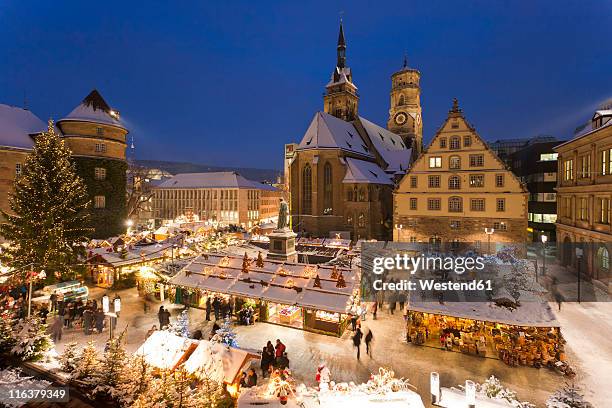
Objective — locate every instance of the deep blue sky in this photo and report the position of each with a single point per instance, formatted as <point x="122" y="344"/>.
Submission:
<point x="229" y="82"/>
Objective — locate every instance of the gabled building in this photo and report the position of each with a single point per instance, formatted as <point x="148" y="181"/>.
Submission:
<point x="456" y="189"/>
<point x="343" y="171"/>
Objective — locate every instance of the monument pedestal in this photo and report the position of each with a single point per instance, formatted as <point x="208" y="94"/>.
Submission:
<point x="282" y="245"/>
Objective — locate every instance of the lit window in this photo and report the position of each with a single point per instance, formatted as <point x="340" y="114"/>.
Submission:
<point x="434" y="181"/>
<point x="499" y="180"/>
<point x="477" y="204"/>
<point x="455" y="143"/>
<point x="433" y="204"/>
<point x="500" y="226"/>
<point x="435" y="162"/>
<point x="100" y="173"/>
<point x="604" y="211"/>
<point x="549" y="156"/>
<point x="99" y="202"/>
<point x="476" y="160"/>
<point x="584" y="209"/>
<point x="568" y="169"/>
<point x="476" y="180"/>
<point x="501" y="205"/>
<point x="585" y="166"/>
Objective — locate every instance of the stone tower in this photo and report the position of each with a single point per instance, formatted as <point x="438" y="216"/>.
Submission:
<point x="97" y="138"/>
<point x="405" y="112"/>
<point x="341" y="99"/>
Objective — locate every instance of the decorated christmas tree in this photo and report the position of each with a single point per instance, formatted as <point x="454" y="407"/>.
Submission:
<point x="225" y="334"/>
<point x="341" y="283"/>
<point x="31" y="339"/>
<point x="317" y="282"/>
<point x="48" y="211"/>
<point x="159" y="392"/>
<point x="109" y="374"/>
<point x="334" y="273"/>
<point x="181" y="326"/>
<point x="88" y="366"/>
<point x="68" y="359"/>
<point x="134" y="380"/>
<point x="260" y="262"/>
<point x="569" y="396"/>
<point x="246" y="263"/>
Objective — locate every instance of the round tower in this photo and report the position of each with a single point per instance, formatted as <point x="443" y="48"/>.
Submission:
<point x="97" y="138"/>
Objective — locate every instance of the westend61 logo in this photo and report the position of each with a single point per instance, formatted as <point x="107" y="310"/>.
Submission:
<point x="403" y="262"/>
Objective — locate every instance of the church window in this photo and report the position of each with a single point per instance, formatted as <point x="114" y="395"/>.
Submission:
<point x="307" y="190"/>
<point x="327" y="188"/>
<point x="455" y="142"/>
<point x="454" y="162"/>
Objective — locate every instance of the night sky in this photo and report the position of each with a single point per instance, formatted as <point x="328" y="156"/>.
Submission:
<point x="228" y="82"/>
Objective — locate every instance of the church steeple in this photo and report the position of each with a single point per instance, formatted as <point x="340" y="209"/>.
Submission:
<point x="341" y="97"/>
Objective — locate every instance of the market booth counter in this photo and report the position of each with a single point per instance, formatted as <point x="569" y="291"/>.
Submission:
<point x="303" y="296"/>
<point x="527" y="335"/>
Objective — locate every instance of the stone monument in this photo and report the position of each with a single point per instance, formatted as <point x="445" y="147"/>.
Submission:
<point x="282" y="239"/>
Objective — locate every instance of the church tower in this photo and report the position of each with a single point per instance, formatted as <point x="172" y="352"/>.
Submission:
<point x="405" y="112"/>
<point x="341" y="97"/>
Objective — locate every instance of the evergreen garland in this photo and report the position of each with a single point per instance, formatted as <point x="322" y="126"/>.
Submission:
<point x="49" y="211"/>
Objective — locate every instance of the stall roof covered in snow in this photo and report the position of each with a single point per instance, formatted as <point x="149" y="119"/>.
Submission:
<point x="286" y="283"/>
<point x="135" y="254"/>
<point x="17" y="125"/>
<point x="329" y="132"/>
<point x="222" y="179"/>
<point x="218" y="362"/>
<point x="94" y="109"/>
<point x="360" y="171"/>
<point x="528" y="314"/>
<point x="389" y="145"/>
<point x="166" y="350"/>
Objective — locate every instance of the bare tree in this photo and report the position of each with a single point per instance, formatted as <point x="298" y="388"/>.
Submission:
<point x="139" y="191"/>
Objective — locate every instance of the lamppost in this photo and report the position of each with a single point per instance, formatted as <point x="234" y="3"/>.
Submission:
<point x="544" y="239"/>
<point x="579" y="253"/>
<point x="489" y="232"/>
<point x="399" y="228"/>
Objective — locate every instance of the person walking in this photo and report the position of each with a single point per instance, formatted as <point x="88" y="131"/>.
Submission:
<point x="53" y="300"/>
<point x="208" y="308"/>
<point x="266" y="361"/>
<point x="57" y="329"/>
<point x="368" y="342"/>
<point x="374" y="310"/>
<point x="357" y="341"/>
<point x="279" y="350"/>
<point x="216" y="306"/>
<point x="166" y="318"/>
<point x="160" y="316"/>
<point x="354" y="322"/>
<point x="87" y="320"/>
<point x="99" y="316"/>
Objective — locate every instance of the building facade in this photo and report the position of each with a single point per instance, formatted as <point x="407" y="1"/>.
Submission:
<point x="584" y="191"/>
<point x="343" y="171"/>
<point x="456" y="189"/>
<point x="223" y="197"/>
<point x="536" y="166"/>
<point x="504" y="148"/>
<point x="96" y="137"/>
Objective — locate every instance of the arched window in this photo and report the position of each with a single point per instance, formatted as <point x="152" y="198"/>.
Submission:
<point x="327" y="189"/>
<point x="603" y="259"/>
<point x="454" y="162"/>
<point x="401" y="101"/>
<point x="362" y="194"/>
<point x="454" y="183"/>
<point x="361" y="220"/>
<point x="307" y="190"/>
<point x="455" y="204"/>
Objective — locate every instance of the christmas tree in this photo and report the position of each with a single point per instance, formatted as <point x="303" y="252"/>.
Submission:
<point x="88" y="366"/>
<point x="334" y="273"/>
<point x="48" y="211"/>
<point x="568" y="396"/>
<point x="341" y="283"/>
<point x="245" y="263"/>
<point x="181" y="326"/>
<point x="108" y="376"/>
<point x="31" y="339"/>
<point x="6" y="334"/>
<point x="134" y="380"/>
<point x="260" y="261"/>
<point x="317" y="282"/>
<point x="68" y="359"/>
<point x="225" y="334"/>
<point x="159" y="393"/>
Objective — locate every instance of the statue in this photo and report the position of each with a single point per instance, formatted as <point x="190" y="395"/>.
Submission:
<point x="283" y="216"/>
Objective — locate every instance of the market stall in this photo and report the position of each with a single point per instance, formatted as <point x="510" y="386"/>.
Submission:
<point x="527" y="334"/>
<point x="165" y="350"/>
<point x="304" y="296"/>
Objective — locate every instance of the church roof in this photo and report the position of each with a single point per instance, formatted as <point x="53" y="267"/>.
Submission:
<point x="94" y="109"/>
<point x="328" y="132"/>
<point x="16" y="126"/>
<point x="360" y="171"/>
<point x="222" y="179"/>
<point x="389" y="145"/>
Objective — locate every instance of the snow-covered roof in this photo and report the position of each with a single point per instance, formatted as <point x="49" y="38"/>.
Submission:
<point x="16" y="126"/>
<point x="341" y="76"/>
<point x="94" y="109"/>
<point x="604" y="112"/>
<point x="134" y="255"/>
<point x="328" y="132"/>
<point x="217" y="361"/>
<point x="222" y="179"/>
<point x="528" y="314"/>
<point x="285" y="283"/>
<point x="360" y="171"/>
<point x="163" y="349"/>
<point x="389" y="145"/>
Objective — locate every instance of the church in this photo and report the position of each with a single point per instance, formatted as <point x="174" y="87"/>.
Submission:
<point x="343" y="171"/>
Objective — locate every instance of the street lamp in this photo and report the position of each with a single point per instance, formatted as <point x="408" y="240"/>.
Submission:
<point x="129" y="224"/>
<point x="399" y="231"/>
<point x="544" y="239"/>
<point x="489" y="232"/>
<point x="470" y="393"/>
<point x="434" y="386"/>
<point x="111" y="316"/>
<point x="579" y="254"/>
